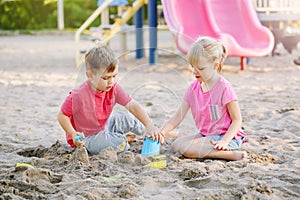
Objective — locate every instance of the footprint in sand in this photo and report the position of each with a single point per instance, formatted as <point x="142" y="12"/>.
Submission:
<point x="195" y="177"/>
<point x="284" y="110"/>
<point x="39" y="152"/>
<point x="33" y="175"/>
<point x="198" y="182"/>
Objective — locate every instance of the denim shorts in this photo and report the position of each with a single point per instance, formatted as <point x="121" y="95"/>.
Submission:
<point x="233" y="144"/>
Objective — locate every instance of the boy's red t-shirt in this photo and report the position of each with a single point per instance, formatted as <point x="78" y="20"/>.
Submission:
<point x="89" y="110"/>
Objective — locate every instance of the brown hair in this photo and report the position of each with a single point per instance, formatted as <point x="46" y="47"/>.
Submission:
<point x="100" y="57"/>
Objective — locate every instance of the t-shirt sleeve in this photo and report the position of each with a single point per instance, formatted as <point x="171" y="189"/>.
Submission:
<point x="69" y="107"/>
<point x="229" y="95"/>
<point x="122" y="97"/>
<point x="187" y="94"/>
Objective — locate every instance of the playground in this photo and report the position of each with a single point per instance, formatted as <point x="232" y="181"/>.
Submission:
<point x="37" y="71"/>
<point x="240" y="26"/>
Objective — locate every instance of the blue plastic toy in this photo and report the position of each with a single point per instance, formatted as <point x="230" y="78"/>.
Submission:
<point x="150" y="147"/>
<point x="78" y="138"/>
<point x="114" y="3"/>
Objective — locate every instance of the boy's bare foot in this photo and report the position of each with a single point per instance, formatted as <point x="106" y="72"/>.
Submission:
<point x="131" y="137"/>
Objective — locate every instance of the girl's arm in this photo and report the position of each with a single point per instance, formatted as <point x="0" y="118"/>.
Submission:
<point x="235" y="114"/>
<point x="177" y="118"/>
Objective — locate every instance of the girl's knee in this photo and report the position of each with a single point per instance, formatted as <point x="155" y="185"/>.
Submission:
<point x="174" y="147"/>
<point x="178" y="144"/>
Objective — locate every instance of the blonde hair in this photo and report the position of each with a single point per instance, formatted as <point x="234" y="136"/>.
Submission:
<point x="209" y="48"/>
<point x="100" y="57"/>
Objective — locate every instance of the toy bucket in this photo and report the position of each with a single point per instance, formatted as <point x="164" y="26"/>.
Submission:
<point x="150" y="147"/>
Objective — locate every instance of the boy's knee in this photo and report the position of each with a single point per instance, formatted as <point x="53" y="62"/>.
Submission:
<point x="122" y="117"/>
<point x="116" y="116"/>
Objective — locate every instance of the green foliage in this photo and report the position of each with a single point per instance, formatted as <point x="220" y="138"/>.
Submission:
<point x="27" y="14"/>
<point x="42" y="14"/>
<point x="77" y="11"/>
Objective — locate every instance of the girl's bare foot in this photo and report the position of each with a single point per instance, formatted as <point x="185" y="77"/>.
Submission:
<point x="239" y="155"/>
<point x="131" y="137"/>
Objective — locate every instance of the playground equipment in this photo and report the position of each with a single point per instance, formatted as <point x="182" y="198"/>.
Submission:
<point x="233" y="22"/>
<point x="105" y="14"/>
<point x="105" y="26"/>
<point x="283" y="19"/>
<point x="135" y="9"/>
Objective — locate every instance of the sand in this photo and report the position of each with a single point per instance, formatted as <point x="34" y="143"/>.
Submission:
<point x="37" y="72"/>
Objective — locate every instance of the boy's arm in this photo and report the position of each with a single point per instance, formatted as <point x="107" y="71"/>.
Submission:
<point x="138" y="111"/>
<point x="66" y="124"/>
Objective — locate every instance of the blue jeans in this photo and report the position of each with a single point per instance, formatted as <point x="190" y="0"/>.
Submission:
<point x="117" y="125"/>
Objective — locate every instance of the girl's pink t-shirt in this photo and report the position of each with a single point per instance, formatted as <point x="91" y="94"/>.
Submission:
<point x="209" y="108"/>
<point x="90" y="110"/>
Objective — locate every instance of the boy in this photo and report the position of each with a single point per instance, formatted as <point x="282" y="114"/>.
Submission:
<point x="86" y="112"/>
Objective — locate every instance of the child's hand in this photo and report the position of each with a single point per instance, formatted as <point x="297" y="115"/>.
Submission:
<point x="158" y="136"/>
<point x="149" y="131"/>
<point x="154" y="134"/>
<point x="220" y="145"/>
<point x="78" y="140"/>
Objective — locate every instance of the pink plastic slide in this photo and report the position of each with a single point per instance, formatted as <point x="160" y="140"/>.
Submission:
<point x="234" y="22"/>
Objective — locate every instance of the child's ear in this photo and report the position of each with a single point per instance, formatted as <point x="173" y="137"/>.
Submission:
<point x="216" y="65"/>
<point x="88" y="74"/>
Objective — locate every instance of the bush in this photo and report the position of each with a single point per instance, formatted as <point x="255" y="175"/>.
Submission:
<point x="25" y="14"/>
<point x="77" y="11"/>
<point x="42" y="14"/>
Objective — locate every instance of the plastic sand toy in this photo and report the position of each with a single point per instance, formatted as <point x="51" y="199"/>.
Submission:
<point x="150" y="147"/>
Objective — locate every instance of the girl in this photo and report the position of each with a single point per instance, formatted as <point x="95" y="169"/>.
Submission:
<point x="214" y="107"/>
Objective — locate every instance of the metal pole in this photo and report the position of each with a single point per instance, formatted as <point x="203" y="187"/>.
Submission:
<point x="60" y="14"/>
<point x="138" y="21"/>
<point x="152" y="16"/>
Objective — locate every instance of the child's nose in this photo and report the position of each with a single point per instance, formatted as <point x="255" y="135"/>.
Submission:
<point x="111" y="80"/>
<point x="195" y="71"/>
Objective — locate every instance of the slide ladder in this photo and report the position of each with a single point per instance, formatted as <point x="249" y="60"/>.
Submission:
<point x="115" y="28"/>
